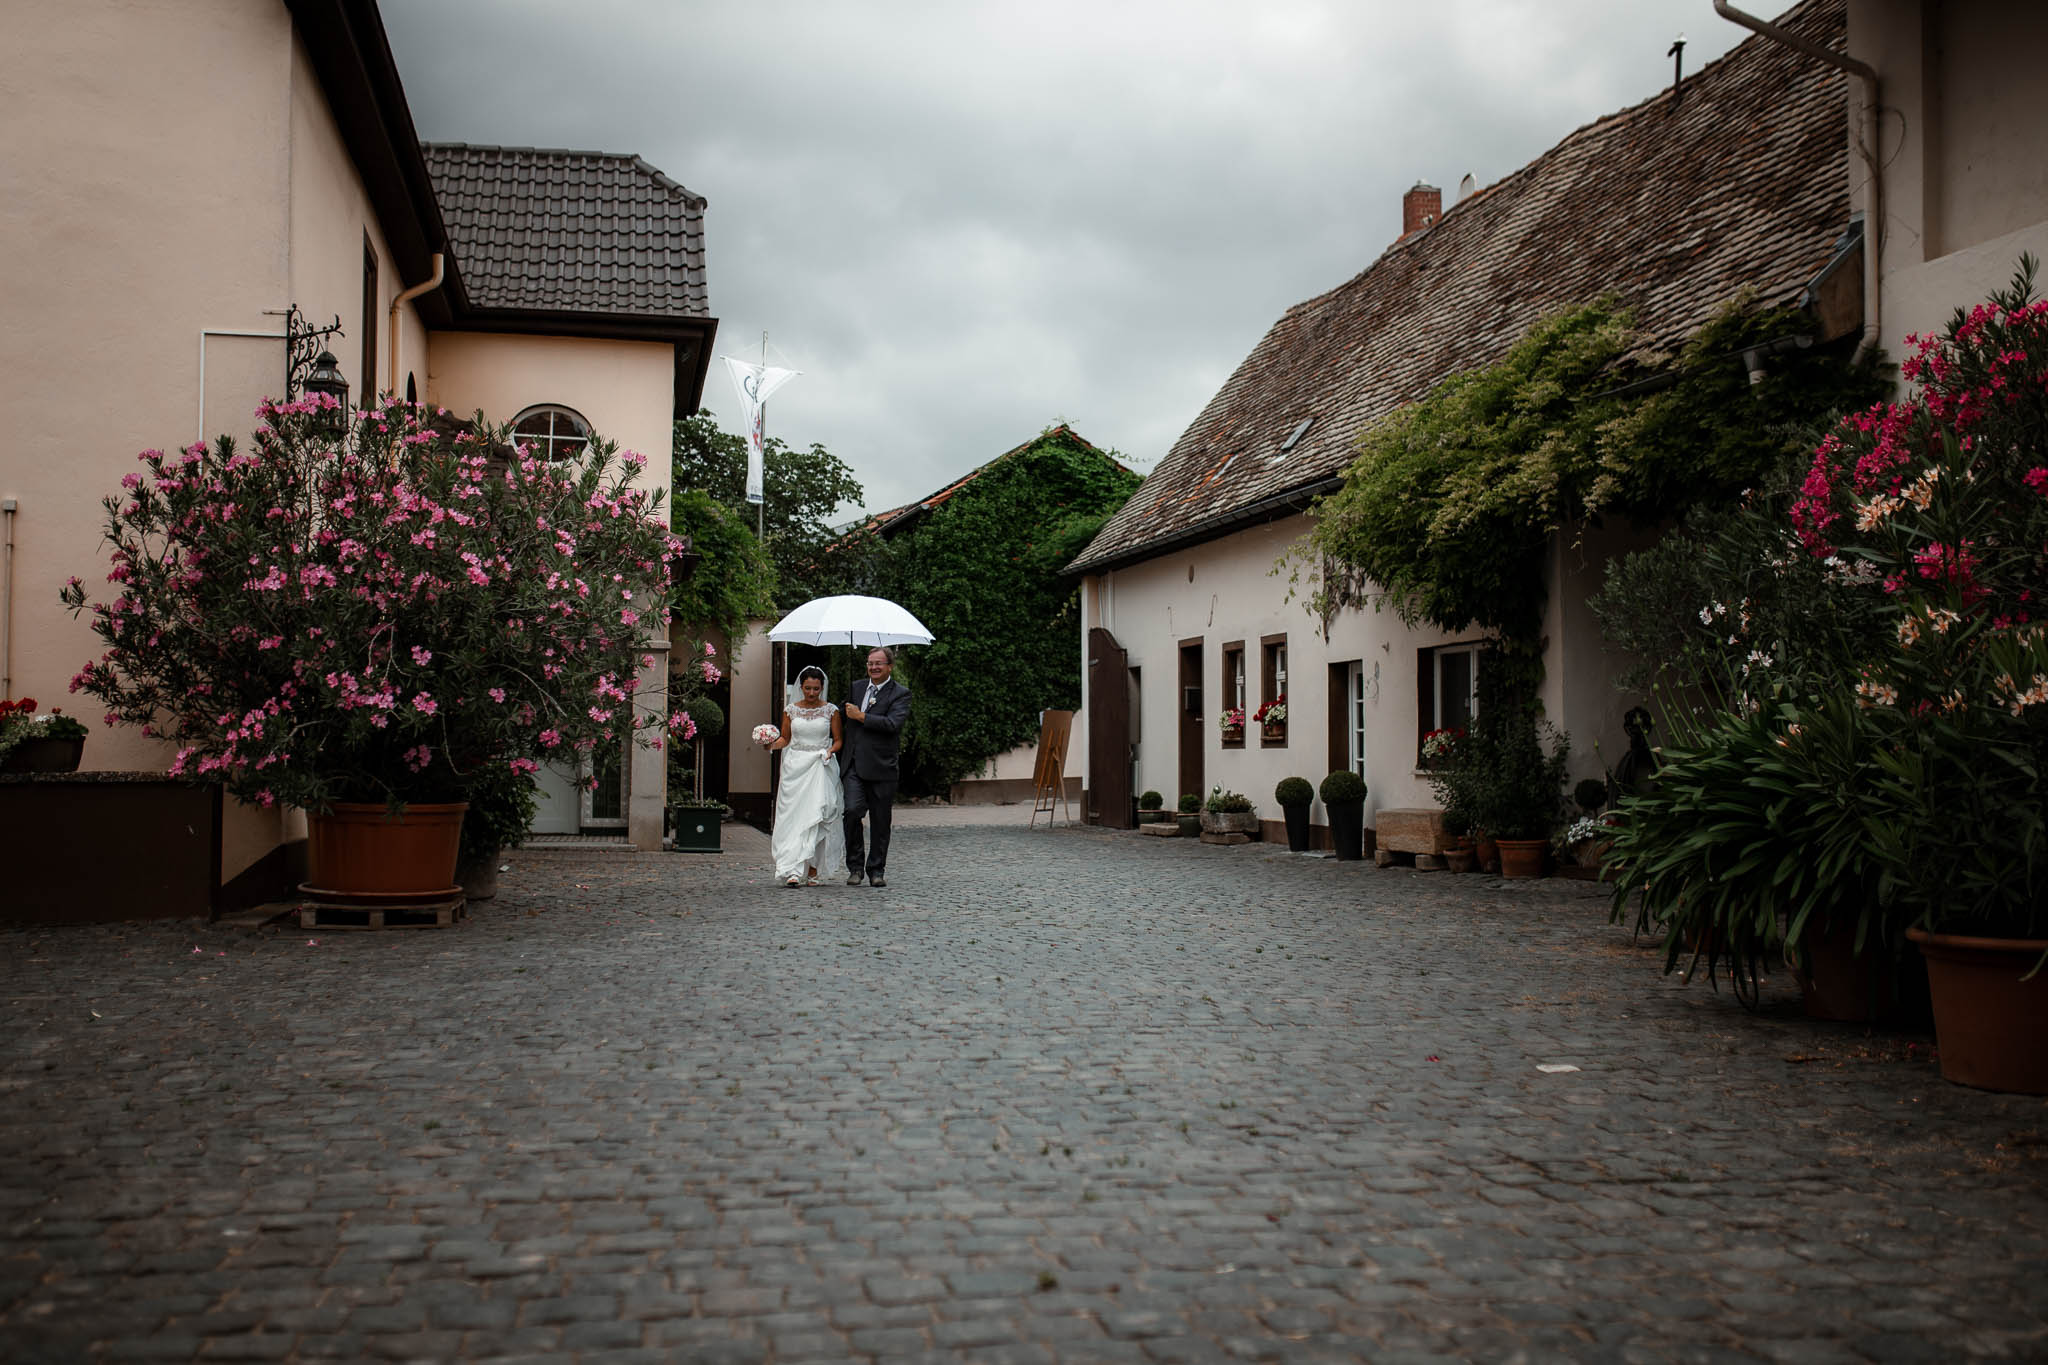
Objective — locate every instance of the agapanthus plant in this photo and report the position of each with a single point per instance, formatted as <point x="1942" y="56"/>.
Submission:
<point x="379" y="606"/>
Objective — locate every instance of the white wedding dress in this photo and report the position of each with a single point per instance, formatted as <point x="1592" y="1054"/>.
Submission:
<point x="809" y="806"/>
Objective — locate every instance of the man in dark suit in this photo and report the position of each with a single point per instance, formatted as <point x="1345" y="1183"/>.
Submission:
<point x="875" y="714"/>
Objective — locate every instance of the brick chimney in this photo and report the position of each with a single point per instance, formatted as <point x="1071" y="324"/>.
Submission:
<point x="1421" y="207"/>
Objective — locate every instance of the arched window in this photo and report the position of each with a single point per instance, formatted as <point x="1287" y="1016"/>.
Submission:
<point x="551" y="431"/>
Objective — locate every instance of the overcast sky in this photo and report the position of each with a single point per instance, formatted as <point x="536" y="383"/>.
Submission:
<point x="964" y="222"/>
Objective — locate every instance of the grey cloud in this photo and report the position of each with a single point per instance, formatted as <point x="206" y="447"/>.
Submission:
<point x="967" y="221"/>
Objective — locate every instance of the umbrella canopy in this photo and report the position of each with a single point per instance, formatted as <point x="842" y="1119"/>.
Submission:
<point x="850" y="620"/>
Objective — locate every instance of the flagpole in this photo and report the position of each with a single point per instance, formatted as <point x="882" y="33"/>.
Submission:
<point x="761" y="507"/>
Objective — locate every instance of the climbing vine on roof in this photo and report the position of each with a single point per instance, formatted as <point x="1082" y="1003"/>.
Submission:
<point x="1446" y="512"/>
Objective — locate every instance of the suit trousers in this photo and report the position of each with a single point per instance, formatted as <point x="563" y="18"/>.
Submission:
<point x="875" y="799"/>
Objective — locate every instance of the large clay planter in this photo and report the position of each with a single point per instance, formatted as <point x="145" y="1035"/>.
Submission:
<point x="356" y="852"/>
<point x="1297" y="828"/>
<point x="1988" y="1023"/>
<point x="1522" y="857"/>
<point x="44" y="756"/>
<point x="1836" y="984"/>
<point x="1347" y="829"/>
<point x="1190" y="823"/>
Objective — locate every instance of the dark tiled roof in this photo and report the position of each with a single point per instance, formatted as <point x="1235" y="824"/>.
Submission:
<point x="584" y="232"/>
<point x="1677" y="209"/>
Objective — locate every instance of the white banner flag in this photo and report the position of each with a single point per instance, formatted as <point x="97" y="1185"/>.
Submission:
<point x="755" y="383"/>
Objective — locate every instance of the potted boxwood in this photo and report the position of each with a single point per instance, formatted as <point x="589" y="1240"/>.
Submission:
<point x="1343" y="794"/>
<point x="1152" y="809"/>
<point x="1190" y="816"/>
<point x="1294" y="795"/>
<point x="1227" y="812"/>
<point x="1520" y="789"/>
<point x="696" y="823"/>
<point x="29" y="743"/>
<point x="367" y="612"/>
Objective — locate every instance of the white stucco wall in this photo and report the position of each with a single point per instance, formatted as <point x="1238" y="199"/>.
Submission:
<point x="1224" y="592"/>
<point x="174" y="171"/>
<point x="1965" y="150"/>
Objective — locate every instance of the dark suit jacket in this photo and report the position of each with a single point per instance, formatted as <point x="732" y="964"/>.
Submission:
<point x="871" y="745"/>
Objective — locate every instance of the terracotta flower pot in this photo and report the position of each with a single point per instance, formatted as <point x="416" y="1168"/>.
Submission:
<point x="1489" y="853"/>
<point x="1988" y="1022"/>
<point x="357" y="851"/>
<point x="1522" y="857"/>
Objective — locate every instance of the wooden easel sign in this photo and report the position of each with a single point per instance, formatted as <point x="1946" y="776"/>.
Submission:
<point x="1049" y="778"/>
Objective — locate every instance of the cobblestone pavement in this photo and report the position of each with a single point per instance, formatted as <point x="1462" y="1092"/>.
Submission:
<point x="1066" y="1096"/>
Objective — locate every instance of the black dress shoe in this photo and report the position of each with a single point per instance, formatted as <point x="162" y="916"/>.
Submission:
<point x="853" y="879"/>
<point x="877" y="881"/>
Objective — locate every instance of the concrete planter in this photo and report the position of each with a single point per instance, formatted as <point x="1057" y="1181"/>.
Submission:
<point x="1244" y="822"/>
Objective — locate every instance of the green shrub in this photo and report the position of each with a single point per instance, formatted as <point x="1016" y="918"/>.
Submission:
<point x="1294" y="791"/>
<point x="1190" y="804"/>
<point x="1151" y="801"/>
<point x="710" y="717"/>
<point x="1341" y="786"/>
<point x="1457" y="824"/>
<point x="501" y="806"/>
<point x="1591" y="794"/>
<point x="1221" y="802"/>
<point x="1755" y="828"/>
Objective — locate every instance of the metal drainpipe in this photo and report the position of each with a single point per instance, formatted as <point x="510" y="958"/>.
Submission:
<point x="7" y="508"/>
<point x="432" y="283"/>
<point x="1873" y="233"/>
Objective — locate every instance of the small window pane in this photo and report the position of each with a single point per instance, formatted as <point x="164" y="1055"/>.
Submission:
<point x="1454" y="690"/>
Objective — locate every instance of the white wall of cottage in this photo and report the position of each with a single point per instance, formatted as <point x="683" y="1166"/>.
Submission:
<point x="1228" y="590"/>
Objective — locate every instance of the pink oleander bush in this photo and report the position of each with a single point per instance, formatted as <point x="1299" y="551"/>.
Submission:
<point x="371" y="607"/>
<point x="1906" y="784"/>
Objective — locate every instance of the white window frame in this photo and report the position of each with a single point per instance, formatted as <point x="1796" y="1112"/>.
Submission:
<point x="567" y="436"/>
<point x="1237" y="686"/>
<point x="1354" y="715"/>
<point x="1438" y="715"/>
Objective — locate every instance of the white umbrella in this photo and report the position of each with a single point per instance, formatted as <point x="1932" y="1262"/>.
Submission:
<point x="850" y="620"/>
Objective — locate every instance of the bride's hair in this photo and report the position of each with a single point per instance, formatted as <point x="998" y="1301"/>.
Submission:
<point x="810" y="671"/>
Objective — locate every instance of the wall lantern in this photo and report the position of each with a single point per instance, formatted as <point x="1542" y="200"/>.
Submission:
<point x="326" y="377"/>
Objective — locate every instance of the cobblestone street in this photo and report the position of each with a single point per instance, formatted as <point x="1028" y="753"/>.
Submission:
<point x="1049" y="1096"/>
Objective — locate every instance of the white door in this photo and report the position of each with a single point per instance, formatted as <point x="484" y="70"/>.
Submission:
<point x="560" y="802"/>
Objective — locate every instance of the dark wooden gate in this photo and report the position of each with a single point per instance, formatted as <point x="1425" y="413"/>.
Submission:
<point x="1194" y="738"/>
<point x="1109" y="731"/>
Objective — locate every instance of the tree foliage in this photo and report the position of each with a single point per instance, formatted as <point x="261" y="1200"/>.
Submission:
<point x="985" y="570"/>
<point x="803" y="490"/>
<point x="1451" y="501"/>
<point x="734" y="580"/>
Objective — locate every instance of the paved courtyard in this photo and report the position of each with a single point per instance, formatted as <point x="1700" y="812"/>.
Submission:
<point x="1050" y="1096"/>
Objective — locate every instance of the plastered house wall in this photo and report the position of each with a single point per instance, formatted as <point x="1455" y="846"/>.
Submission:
<point x="1964" y="150"/>
<point x="185" y="183"/>
<point x="1226" y="590"/>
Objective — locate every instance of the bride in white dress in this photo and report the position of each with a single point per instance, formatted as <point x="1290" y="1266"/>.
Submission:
<point x="810" y="834"/>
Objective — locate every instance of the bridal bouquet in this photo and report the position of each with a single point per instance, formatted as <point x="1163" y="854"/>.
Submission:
<point x="766" y="734"/>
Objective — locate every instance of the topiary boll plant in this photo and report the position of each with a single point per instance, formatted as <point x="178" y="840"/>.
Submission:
<point x="1342" y="786"/>
<point x="1294" y="791"/>
<point x="1591" y="794"/>
<point x="1151" y="800"/>
<point x="1190" y="804"/>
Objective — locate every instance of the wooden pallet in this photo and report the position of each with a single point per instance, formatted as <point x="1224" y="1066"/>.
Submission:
<point x="425" y="915"/>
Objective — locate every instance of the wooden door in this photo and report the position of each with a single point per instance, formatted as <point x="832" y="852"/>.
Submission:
<point x="1109" y="731"/>
<point x="1192" y="737"/>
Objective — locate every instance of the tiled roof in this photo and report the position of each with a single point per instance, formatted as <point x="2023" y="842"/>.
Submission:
<point x="1676" y="208"/>
<point x="556" y="231"/>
